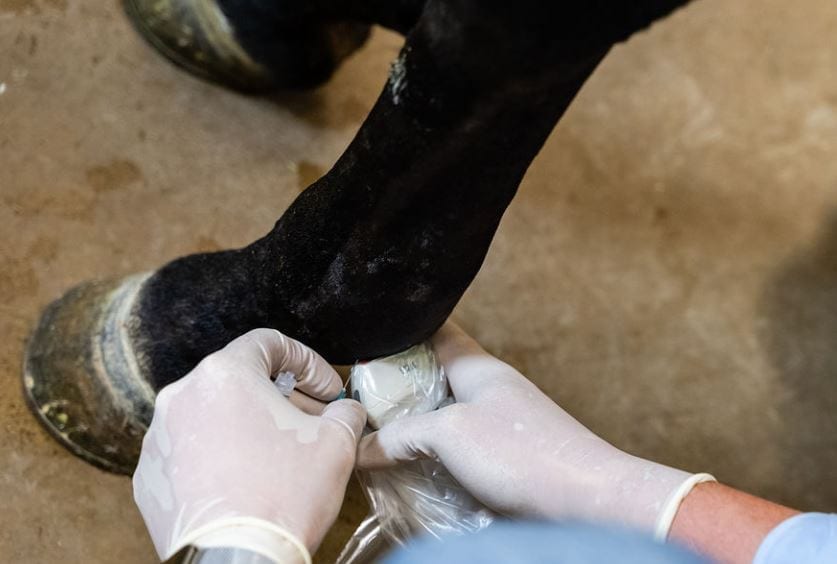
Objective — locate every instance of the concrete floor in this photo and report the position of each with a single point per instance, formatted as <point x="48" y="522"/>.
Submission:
<point x="668" y="271"/>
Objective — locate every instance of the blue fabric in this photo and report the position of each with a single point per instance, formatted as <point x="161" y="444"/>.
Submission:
<point x="810" y="538"/>
<point x="542" y="543"/>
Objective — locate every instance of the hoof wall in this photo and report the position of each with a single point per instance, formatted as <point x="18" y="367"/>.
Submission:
<point x="197" y="36"/>
<point x="82" y="381"/>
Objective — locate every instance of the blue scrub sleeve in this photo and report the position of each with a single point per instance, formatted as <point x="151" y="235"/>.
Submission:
<point x="810" y="538"/>
<point x="544" y="543"/>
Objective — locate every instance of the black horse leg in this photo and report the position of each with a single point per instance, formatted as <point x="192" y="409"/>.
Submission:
<point x="370" y="259"/>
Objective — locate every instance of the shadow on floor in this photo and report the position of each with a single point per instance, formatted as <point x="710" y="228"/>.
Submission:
<point x="799" y="334"/>
<point x="324" y="107"/>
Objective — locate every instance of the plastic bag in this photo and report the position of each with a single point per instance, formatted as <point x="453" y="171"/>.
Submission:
<point x="420" y="497"/>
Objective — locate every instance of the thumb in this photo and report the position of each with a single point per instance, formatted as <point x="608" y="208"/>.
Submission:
<point x="403" y="440"/>
<point x="350" y="415"/>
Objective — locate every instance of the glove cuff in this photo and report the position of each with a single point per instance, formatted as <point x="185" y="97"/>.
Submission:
<point x="250" y="533"/>
<point x="672" y="504"/>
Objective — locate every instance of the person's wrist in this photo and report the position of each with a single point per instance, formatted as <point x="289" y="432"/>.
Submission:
<point x="665" y="518"/>
<point x="610" y="485"/>
<point x="250" y="533"/>
<point x="644" y="494"/>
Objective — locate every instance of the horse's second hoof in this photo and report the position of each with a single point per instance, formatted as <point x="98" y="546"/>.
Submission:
<point x="248" y="53"/>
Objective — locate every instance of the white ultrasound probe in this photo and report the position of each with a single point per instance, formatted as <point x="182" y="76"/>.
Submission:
<point x="408" y="383"/>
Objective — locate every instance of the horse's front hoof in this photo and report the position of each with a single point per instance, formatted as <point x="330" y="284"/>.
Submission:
<point x="81" y="378"/>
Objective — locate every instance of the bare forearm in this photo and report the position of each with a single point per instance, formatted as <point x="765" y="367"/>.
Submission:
<point x="725" y="524"/>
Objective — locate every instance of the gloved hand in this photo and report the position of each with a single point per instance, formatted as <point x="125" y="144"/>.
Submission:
<point x="230" y="461"/>
<point x="520" y="454"/>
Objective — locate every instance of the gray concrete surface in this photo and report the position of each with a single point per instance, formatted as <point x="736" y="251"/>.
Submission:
<point x="668" y="271"/>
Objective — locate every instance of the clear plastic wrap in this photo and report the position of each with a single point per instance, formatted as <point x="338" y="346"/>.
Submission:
<point x="286" y="382"/>
<point x="416" y="498"/>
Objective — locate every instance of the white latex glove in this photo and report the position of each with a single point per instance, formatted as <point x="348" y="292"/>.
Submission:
<point x="520" y="454"/>
<point x="230" y="461"/>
